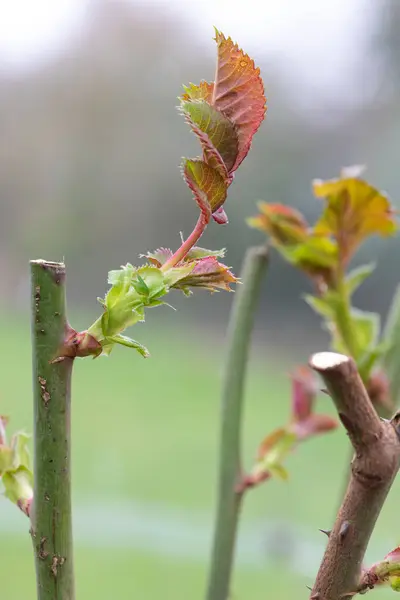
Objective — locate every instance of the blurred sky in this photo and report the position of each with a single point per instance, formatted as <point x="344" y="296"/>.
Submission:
<point x="322" y="44"/>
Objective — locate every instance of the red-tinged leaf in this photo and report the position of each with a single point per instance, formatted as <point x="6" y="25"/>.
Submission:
<point x="208" y="187"/>
<point x="210" y="154"/>
<point x="158" y="257"/>
<point x="354" y="211"/>
<point x="270" y="442"/>
<point x="3" y="425"/>
<point x="393" y="555"/>
<point x="378" y="388"/>
<point x="216" y="132"/>
<point x="313" y="425"/>
<point x="238" y="92"/>
<point x="209" y="274"/>
<point x="284" y="224"/>
<point x="304" y="391"/>
<point x="203" y="91"/>
<point x="251" y="480"/>
<point x="220" y="216"/>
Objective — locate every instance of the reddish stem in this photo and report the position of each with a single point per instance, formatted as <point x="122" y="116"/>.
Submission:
<point x="180" y="254"/>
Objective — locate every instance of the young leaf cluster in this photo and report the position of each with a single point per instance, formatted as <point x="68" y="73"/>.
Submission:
<point x="353" y="211"/>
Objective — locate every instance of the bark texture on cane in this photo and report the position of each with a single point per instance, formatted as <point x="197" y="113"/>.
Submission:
<point x="51" y="512"/>
<point x="375" y="464"/>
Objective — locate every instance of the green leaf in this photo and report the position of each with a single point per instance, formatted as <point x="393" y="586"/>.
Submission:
<point x="196" y="252"/>
<point x="365" y="331"/>
<point x="140" y="285"/>
<point x="152" y="279"/>
<point x="357" y="276"/>
<point x="391" y="357"/>
<point x="323" y="305"/>
<point x="369" y="359"/>
<point x="123" y="340"/>
<point x="272" y="452"/>
<point x="367" y="328"/>
<point x="208" y="187"/>
<point x="315" y="254"/>
<point x="216" y="132"/>
<point x="174" y="275"/>
<point x="6" y="458"/>
<point x="20" y="450"/>
<point x="18" y="485"/>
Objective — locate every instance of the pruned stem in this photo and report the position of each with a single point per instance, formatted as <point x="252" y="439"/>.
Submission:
<point x="229" y="497"/>
<point x="374" y="467"/>
<point x="51" y="512"/>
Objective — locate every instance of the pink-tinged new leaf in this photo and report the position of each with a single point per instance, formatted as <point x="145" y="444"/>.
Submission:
<point x="304" y="391"/>
<point x="220" y="217"/>
<point x="304" y="422"/>
<point x="378" y="388"/>
<point x="313" y="425"/>
<point x="216" y="132"/>
<point x="284" y="224"/>
<point x="208" y="273"/>
<point x="238" y="92"/>
<point x="354" y="211"/>
<point x="203" y="91"/>
<point x="3" y="425"/>
<point x="393" y="555"/>
<point x="210" y="154"/>
<point x="208" y="187"/>
<point x="158" y="257"/>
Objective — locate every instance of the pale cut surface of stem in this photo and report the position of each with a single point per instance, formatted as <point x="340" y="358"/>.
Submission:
<point x="51" y="521"/>
<point x="375" y="464"/>
<point x="229" y="500"/>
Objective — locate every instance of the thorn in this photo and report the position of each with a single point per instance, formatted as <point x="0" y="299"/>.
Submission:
<point x="344" y="528"/>
<point x="315" y="596"/>
<point x="309" y="588"/>
<point x="325" y="391"/>
<point x="327" y="532"/>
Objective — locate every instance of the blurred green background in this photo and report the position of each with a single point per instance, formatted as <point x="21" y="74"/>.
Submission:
<point x="89" y="151"/>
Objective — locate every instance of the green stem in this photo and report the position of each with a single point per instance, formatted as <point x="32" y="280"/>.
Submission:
<point x="391" y="360"/>
<point x="229" y="499"/>
<point x="344" y="321"/>
<point x="51" y="512"/>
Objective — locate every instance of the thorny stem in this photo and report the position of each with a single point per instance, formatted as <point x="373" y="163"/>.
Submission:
<point x="187" y="244"/>
<point x="377" y="454"/>
<point x="51" y="511"/>
<point x="229" y="497"/>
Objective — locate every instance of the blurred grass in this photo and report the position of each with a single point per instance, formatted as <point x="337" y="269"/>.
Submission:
<point x="146" y="430"/>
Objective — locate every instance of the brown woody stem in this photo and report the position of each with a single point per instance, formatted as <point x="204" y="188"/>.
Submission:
<point x="373" y="469"/>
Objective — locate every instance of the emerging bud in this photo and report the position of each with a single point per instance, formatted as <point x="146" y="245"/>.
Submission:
<point x="18" y="485"/>
<point x="303" y="424"/>
<point x="378" y="388"/>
